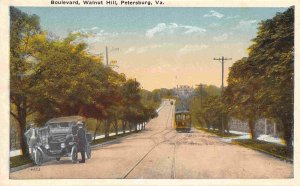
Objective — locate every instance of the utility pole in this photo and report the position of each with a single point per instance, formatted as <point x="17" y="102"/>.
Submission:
<point x="222" y="59"/>
<point x="106" y="54"/>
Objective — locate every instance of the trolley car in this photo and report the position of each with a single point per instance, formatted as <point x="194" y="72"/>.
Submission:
<point x="183" y="121"/>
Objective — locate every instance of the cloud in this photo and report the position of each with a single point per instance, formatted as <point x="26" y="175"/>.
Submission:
<point x="222" y="37"/>
<point x="163" y="28"/>
<point x="129" y="50"/>
<point x="94" y="34"/>
<point x="232" y="17"/>
<point x="140" y="50"/>
<point x="245" y="24"/>
<point x="213" y="25"/>
<point x="213" y="13"/>
<point x="191" y="48"/>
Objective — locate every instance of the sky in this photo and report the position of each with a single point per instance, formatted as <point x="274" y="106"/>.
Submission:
<point x="162" y="47"/>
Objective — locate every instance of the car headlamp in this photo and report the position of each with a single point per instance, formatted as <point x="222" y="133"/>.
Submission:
<point x="47" y="146"/>
<point x="62" y="145"/>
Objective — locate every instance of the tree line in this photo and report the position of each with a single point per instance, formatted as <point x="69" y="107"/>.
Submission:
<point x="260" y="85"/>
<point x="52" y="77"/>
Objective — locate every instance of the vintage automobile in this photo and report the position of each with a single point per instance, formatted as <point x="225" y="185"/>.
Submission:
<point x="58" y="138"/>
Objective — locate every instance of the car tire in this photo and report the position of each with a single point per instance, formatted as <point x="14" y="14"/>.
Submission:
<point x="74" y="154"/>
<point x="57" y="159"/>
<point x="88" y="151"/>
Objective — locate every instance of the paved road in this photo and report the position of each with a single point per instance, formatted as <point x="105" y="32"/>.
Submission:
<point x="161" y="152"/>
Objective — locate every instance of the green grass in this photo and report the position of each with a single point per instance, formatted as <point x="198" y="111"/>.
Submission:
<point x="218" y="133"/>
<point x="280" y="151"/>
<point x="19" y="160"/>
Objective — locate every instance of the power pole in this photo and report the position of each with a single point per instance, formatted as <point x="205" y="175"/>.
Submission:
<point x="106" y="54"/>
<point x="222" y="59"/>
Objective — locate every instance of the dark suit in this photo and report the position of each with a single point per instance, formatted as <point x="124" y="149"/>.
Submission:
<point x="82" y="143"/>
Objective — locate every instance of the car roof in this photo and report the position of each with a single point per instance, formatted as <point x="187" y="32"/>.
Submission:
<point x="65" y="119"/>
<point x="182" y="112"/>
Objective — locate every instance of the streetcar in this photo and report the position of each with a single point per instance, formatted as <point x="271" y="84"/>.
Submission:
<point x="183" y="122"/>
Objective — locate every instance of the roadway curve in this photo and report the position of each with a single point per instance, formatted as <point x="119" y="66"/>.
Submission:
<point x="161" y="152"/>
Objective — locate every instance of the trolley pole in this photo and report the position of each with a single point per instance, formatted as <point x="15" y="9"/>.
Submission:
<point x="222" y="60"/>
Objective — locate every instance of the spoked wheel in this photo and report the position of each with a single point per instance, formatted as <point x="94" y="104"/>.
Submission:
<point x="88" y="151"/>
<point x="57" y="159"/>
<point x="74" y="154"/>
<point x="38" y="156"/>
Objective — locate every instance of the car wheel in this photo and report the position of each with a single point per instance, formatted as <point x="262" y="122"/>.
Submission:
<point x="88" y="151"/>
<point x="57" y="159"/>
<point x="74" y="154"/>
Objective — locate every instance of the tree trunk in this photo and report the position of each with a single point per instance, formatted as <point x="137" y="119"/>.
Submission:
<point x="251" y="125"/>
<point x="97" y="128"/>
<point x="135" y="125"/>
<point x="288" y="134"/>
<point x="116" y="126"/>
<point x="222" y="123"/>
<point x="21" y="109"/>
<point x="106" y="129"/>
<point x="124" y="126"/>
<point x="129" y="126"/>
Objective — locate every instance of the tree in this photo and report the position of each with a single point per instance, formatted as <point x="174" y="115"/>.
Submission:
<point x="23" y="73"/>
<point x="272" y="52"/>
<point x="240" y="96"/>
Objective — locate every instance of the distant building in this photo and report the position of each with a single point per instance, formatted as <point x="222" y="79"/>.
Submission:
<point x="183" y="91"/>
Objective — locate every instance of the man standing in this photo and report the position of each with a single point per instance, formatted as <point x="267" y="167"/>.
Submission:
<point x="81" y="141"/>
<point x="31" y="136"/>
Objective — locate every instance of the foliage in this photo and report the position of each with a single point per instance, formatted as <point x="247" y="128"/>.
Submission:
<point x="240" y="95"/>
<point x="207" y="108"/>
<point x="53" y="77"/>
<point x="263" y="83"/>
<point x="273" y="54"/>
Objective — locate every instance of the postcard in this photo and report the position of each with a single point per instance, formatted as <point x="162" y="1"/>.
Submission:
<point x="158" y="92"/>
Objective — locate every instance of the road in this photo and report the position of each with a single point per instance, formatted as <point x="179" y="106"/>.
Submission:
<point x="161" y="152"/>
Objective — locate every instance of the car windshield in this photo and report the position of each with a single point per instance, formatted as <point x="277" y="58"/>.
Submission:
<point x="60" y="125"/>
<point x="65" y="124"/>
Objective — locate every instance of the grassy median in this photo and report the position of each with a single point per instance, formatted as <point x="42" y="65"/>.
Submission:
<point x="274" y="149"/>
<point x="102" y="140"/>
<point x="218" y="133"/>
<point x="19" y="160"/>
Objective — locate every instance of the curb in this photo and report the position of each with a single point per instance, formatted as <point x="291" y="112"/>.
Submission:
<point x="263" y="151"/>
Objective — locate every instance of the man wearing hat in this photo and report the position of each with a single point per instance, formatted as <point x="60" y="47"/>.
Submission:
<point x="31" y="135"/>
<point x="81" y="134"/>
